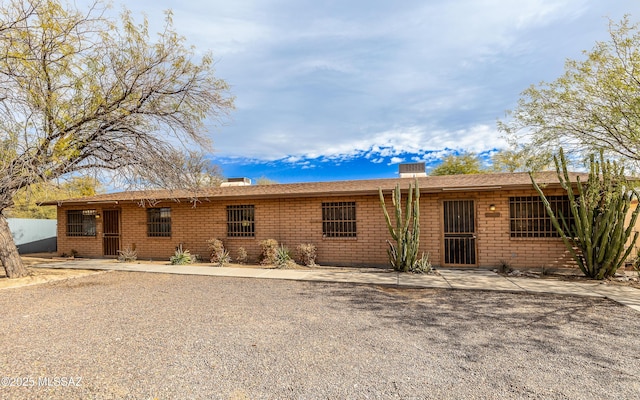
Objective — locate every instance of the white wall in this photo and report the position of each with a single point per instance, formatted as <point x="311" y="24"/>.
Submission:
<point x="34" y="235"/>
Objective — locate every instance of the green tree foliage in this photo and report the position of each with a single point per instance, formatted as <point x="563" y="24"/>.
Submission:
<point x="593" y="106"/>
<point x="81" y="92"/>
<point x="403" y="253"/>
<point x="25" y="201"/>
<point x="599" y="238"/>
<point x="460" y="164"/>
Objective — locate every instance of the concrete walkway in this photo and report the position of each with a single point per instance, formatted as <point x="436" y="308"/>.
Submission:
<point x="478" y="279"/>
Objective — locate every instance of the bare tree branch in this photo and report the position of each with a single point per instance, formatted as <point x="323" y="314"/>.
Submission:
<point x="80" y="92"/>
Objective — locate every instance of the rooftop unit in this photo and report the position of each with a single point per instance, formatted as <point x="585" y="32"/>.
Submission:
<point x="236" y="182"/>
<point x="412" y="170"/>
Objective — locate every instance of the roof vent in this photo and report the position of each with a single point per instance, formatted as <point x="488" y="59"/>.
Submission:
<point x="236" y="182"/>
<point x="412" y="170"/>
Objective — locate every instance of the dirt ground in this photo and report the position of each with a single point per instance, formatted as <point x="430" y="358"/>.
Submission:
<point x="40" y="275"/>
<point x="146" y="336"/>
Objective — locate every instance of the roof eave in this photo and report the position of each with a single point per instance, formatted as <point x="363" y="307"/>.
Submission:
<point x="430" y="190"/>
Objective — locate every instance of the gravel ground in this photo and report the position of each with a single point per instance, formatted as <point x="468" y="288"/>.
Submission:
<point x="148" y="336"/>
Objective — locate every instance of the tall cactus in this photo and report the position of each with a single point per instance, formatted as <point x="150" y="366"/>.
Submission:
<point x="599" y="213"/>
<point x="406" y="233"/>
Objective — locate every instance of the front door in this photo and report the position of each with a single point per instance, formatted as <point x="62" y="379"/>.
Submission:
<point x="111" y="232"/>
<point x="459" y="232"/>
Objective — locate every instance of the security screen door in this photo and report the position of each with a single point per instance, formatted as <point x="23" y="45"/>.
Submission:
<point x="459" y="232"/>
<point x="111" y="232"/>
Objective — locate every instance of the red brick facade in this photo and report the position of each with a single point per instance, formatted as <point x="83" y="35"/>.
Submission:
<point x="292" y="220"/>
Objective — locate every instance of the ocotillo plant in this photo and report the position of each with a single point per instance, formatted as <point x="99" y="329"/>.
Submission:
<point x="599" y="210"/>
<point x="403" y="254"/>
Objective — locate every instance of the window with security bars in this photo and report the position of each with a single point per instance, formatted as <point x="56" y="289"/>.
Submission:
<point x="81" y="223"/>
<point x="529" y="219"/>
<point x="241" y="221"/>
<point x="339" y="219"/>
<point x="159" y="222"/>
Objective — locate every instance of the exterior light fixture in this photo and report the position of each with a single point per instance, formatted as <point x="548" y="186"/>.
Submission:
<point x="492" y="207"/>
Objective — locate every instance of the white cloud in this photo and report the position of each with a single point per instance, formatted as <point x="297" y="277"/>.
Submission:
<point x="337" y="80"/>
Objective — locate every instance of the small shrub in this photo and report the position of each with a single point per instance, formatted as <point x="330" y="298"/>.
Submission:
<point x="217" y="249"/>
<point x="224" y="258"/>
<point x="241" y="255"/>
<point x="74" y="253"/>
<point x="306" y="254"/>
<point x="181" y="257"/>
<point x="504" y="267"/>
<point x="283" y="257"/>
<point x="268" y="251"/>
<point x="422" y="265"/>
<point x="127" y="255"/>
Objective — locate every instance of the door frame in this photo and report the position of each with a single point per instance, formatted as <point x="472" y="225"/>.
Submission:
<point x="107" y="235"/>
<point x="471" y="235"/>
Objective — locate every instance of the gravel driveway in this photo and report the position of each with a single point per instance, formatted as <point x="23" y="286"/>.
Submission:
<point x="148" y="336"/>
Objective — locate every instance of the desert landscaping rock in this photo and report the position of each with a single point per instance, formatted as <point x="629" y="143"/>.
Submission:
<point x="147" y="336"/>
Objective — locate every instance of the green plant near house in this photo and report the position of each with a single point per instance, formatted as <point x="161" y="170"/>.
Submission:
<point x="422" y="265"/>
<point x="598" y="237"/>
<point x="224" y="258"/>
<point x="127" y="255"/>
<point x="403" y="252"/>
<point x="181" y="257"/>
<point x="283" y="257"/>
<point x="268" y="251"/>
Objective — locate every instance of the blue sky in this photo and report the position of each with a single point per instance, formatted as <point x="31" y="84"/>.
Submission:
<point x="347" y="89"/>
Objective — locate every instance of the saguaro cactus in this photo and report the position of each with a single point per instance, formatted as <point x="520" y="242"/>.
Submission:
<point x="598" y="240"/>
<point x="403" y="253"/>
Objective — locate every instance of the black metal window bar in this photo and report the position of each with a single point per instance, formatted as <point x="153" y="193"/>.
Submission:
<point x="81" y="223"/>
<point x="241" y="221"/>
<point x="339" y="219"/>
<point x="528" y="217"/>
<point x="159" y="222"/>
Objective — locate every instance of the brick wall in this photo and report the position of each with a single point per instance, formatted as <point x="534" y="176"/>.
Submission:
<point x="299" y="220"/>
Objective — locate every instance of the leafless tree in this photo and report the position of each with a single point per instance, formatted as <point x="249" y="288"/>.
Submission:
<point x="179" y="172"/>
<point x="80" y="92"/>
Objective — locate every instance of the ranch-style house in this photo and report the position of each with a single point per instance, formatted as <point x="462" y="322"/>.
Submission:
<point x="465" y="220"/>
